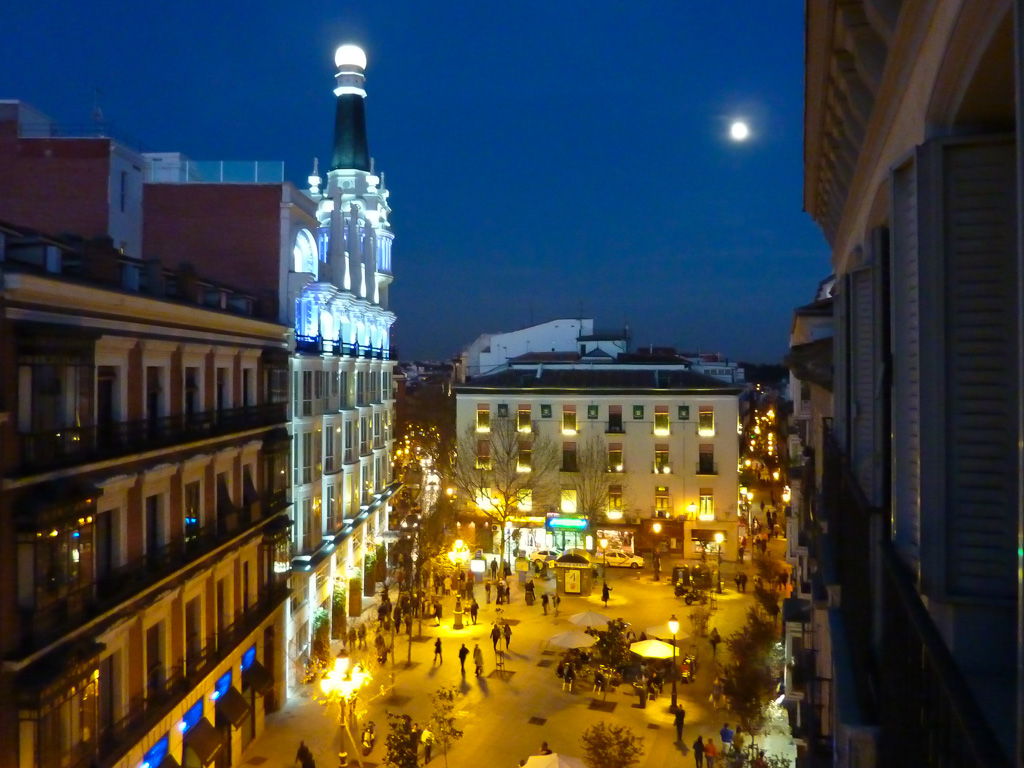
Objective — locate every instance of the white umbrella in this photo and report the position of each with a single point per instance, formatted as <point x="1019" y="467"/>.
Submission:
<point x="589" y="619"/>
<point x="652" y="649"/>
<point x="574" y="638"/>
<point x="554" y="761"/>
<point x="664" y="631"/>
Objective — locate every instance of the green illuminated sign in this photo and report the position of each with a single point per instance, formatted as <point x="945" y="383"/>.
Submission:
<point x="567" y="523"/>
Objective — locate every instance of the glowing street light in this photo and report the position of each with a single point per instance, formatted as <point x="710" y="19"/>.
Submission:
<point x="673" y="626"/>
<point x="719" y="538"/>
<point x="341" y="685"/>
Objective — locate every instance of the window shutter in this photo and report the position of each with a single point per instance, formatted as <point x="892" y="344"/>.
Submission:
<point x="863" y="367"/>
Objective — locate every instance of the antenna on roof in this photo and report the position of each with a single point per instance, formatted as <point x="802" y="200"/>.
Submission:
<point x="97" y="110"/>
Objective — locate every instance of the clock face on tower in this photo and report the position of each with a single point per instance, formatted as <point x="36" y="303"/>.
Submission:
<point x="304" y="252"/>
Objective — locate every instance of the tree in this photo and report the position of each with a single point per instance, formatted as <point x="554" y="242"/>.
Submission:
<point x="426" y="415"/>
<point x="611" y="746"/>
<point x="613" y="645"/>
<point x="591" y="480"/>
<point x="750" y="678"/>
<point x="443" y="719"/>
<point x="400" y="748"/>
<point x="504" y="470"/>
<point x="322" y="636"/>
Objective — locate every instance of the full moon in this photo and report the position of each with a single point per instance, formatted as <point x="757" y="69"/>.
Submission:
<point x="739" y="131"/>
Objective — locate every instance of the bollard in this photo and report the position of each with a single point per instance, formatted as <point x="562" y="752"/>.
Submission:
<point x="343" y="760"/>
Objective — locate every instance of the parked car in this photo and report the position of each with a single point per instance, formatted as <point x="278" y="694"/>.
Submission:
<point x="544" y="555"/>
<point x="619" y="559"/>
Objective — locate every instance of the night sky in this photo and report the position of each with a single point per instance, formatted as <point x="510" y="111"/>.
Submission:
<point x="545" y="159"/>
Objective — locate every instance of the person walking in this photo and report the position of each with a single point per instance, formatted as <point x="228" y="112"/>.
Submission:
<point x="447" y="586"/>
<point x="698" y="752"/>
<point x="727" y="735"/>
<point x="606" y="592"/>
<point x="507" y="632"/>
<point x="362" y="636"/>
<point x="679" y="721"/>
<point x="710" y="753"/>
<point x="494" y="569"/>
<point x="438" y="657"/>
<point x="428" y="744"/>
<point x="478" y="659"/>
<point x="474" y="609"/>
<point x="463" y="653"/>
<point x="714" y="638"/>
<point x="544" y="603"/>
<point x="351" y="639"/>
<point x="495" y="636"/>
<point x="487" y="591"/>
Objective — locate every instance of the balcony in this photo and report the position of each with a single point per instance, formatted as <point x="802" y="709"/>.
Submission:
<point x="615" y="428"/>
<point x="707" y="468"/>
<point x="70" y="446"/>
<point x="172" y="684"/>
<point x="51" y="618"/>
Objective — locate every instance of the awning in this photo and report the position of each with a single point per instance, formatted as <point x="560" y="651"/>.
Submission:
<point x="169" y="762"/>
<point x="233" y="707"/>
<point x="258" y="678"/>
<point x="202" y="738"/>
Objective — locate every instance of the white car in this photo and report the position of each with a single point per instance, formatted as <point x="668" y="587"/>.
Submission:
<point x="619" y="559"/>
<point x="544" y="555"/>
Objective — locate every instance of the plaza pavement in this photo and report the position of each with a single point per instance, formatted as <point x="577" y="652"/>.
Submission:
<point x="505" y="719"/>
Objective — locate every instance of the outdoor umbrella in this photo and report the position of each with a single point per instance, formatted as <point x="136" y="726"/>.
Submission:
<point x="652" y="649"/>
<point x="554" y="761"/>
<point x="663" y="631"/>
<point x="579" y="552"/>
<point x="574" y="638"/>
<point x="589" y="619"/>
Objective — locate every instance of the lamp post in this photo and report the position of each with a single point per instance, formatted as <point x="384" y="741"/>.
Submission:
<point x="673" y="624"/>
<point x="656" y="559"/>
<point x="719" y="538"/>
<point x="604" y="554"/>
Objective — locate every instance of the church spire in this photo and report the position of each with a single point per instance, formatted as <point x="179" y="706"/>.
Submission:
<point x="351" y="151"/>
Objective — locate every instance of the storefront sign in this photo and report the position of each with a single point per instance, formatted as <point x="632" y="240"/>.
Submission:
<point x="567" y="523"/>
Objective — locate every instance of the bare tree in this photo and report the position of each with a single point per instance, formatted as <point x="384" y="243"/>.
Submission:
<point x="592" y="479"/>
<point x="504" y="469"/>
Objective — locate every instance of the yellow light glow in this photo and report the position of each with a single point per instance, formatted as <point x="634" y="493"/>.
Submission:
<point x="614" y="514"/>
<point x="719" y="537"/>
<point x="656" y="527"/>
<point x="673" y="625"/>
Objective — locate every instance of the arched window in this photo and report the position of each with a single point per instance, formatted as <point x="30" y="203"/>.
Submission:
<point x="305" y="252"/>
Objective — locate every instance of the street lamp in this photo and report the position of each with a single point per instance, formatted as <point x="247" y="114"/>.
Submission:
<point x="719" y="538"/>
<point x="673" y="625"/>
<point x="604" y="552"/>
<point x="657" y="559"/>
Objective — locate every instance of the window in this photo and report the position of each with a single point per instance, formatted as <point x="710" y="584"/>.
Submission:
<point x="525" y="457"/>
<point x="568" y="419"/>
<point x="661" y="500"/>
<point x="615" y="498"/>
<point x="545" y="411"/>
<point x="483" y="418"/>
<point x="638" y="412"/>
<point x="346" y="398"/>
<point x="569" y="457"/>
<point x="684" y="413"/>
<point x="524" y="418"/>
<point x="568" y="505"/>
<point x="330" y="509"/>
<point x="193" y="405"/>
<point x="193" y="510"/>
<point x="593" y="411"/>
<point x="615" y="419"/>
<point x="483" y="454"/>
<point x="661" y="426"/>
<point x="334" y="384"/>
<point x="307" y="393"/>
<point x="706" y="460"/>
<point x="502" y="410"/>
<point x="706" y="421"/>
<point x="615" y="457"/>
<point x="348" y="431"/>
<point x="307" y="457"/>
<point x="661" y="460"/>
<point x="706" y="508"/>
<point x="329" y="438"/>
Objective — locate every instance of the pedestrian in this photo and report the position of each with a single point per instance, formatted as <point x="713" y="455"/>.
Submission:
<point x="463" y="653"/>
<point x="568" y="677"/>
<point x="437" y="652"/>
<point x="606" y="592"/>
<point x="428" y="744"/>
<point x="698" y="752"/>
<point x="494" y="569"/>
<point x="304" y="757"/>
<point x="507" y="632"/>
<point x="710" y="752"/>
<point x="555" y="601"/>
<point x="474" y="609"/>
<point x="495" y="636"/>
<point x="714" y="638"/>
<point x="351" y="638"/>
<point x="478" y="659"/>
<point x="437" y="613"/>
<point x="544" y="603"/>
<point x="679" y="721"/>
<point x="487" y="591"/>
<point x="362" y="636"/>
<point x="727" y="735"/>
<point x="716" y="692"/>
<point x="447" y="585"/>
<point x="415" y="735"/>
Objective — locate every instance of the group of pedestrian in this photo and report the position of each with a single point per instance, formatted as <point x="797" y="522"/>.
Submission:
<point x="706" y="753"/>
<point x="422" y="736"/>
<point x="501" y="630"/>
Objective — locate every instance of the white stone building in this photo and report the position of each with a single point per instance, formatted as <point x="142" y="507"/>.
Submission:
<point x="670" y="436"/>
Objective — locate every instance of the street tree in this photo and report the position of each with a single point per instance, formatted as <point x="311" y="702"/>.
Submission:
<point x="613" y="645"/>
<point x="504" y="470"/>
<point x="750" y="677"/>
<point x="443" y="719"/>
<point x="592" y="479"/>
<point x="426" y="415"/>
<point x="611" y="746"/>
<point x="401" y="746"/>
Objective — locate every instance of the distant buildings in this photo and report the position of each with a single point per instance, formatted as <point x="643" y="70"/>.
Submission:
<point x="196" y="406"/>
<point x="667" y="441"/>
<point x="905" y="632"/>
